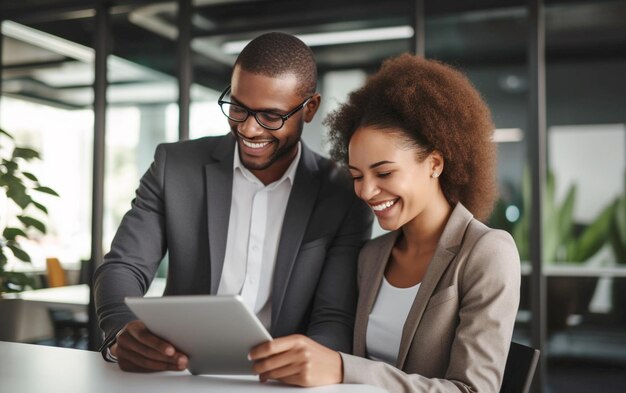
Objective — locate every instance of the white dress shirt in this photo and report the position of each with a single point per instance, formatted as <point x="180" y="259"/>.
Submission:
<point x="386" y="321"/>
<point x="256" y="220"/>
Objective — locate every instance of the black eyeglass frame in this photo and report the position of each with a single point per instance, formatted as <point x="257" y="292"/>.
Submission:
<point x="249" y="112"/>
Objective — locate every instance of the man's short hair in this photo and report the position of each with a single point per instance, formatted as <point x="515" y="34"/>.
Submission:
<point x="276" y="54"/>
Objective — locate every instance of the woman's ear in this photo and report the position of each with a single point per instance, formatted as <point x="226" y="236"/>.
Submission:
<point x="436" y="163"/>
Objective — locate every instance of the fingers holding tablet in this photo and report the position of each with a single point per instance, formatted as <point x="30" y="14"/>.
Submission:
<point x="297" y="360"/>
<point x="139" y="350"/>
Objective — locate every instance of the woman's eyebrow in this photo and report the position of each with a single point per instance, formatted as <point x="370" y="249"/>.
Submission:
<point x="379" y="163"/>
<point x="374" y="165"/>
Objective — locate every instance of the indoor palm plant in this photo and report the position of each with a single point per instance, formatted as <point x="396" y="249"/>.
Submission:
<point x="16" y="206"/>
<point x="618" y="241"/>
<point x="564" y="242"/>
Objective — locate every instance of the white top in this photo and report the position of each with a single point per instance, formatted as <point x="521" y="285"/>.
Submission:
<point x="255" y="224"/>
<point x="386" y="321"/>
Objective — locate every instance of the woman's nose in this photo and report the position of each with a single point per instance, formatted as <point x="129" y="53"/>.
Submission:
<point x="367" y="189"/>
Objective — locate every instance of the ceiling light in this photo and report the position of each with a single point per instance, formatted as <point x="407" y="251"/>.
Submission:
<point x="336" y="38"/>
<point x="502" y="135"/>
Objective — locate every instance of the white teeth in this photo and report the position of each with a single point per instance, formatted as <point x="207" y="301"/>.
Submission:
<point x="254" y="145"/>
<point x="384" y="205"/>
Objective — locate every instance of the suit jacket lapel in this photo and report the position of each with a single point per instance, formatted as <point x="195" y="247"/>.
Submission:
<point x="445" y="252"/>
<point x="299" y="207"/>
<point x="219" y="188"/>
<point x="374" y="265"/>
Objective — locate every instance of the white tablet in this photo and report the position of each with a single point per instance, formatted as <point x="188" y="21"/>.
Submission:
<point x="216" y="332"/>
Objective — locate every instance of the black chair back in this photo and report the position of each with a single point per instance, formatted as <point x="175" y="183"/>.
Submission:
<point x="519" y="369"/>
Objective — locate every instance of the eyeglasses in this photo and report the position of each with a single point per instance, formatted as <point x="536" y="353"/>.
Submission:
<point x="268" y="120"/>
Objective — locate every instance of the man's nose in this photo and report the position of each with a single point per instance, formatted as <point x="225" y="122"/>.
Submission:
<point x="250" y="128"/>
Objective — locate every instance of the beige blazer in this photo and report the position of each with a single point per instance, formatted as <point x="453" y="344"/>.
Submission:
<point x="457" y="334"/>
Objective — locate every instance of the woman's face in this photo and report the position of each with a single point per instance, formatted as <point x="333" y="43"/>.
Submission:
<point x="388" y="176"/>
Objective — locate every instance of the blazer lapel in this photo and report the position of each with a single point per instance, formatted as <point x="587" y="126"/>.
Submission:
<point x="445" y="252"/>
<point x="374" y="265"/>
<point x="219" y="188"/>
<point x="299" y="207"/>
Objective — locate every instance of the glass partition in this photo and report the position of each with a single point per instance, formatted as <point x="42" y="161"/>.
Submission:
<point x="46" y="104"/>
<point x="585" y="196"/>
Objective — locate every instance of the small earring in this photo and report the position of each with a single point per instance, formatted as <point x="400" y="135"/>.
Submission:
<point x="435" y="175"/>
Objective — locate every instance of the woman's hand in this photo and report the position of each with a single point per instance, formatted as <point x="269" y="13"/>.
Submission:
<point x="297" y="360"/>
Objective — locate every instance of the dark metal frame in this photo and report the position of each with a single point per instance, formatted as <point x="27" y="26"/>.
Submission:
<point x="418" y="42"/>
<point x="537" y="162"/>
<point x="101" y="45"/>
<point x="185" y="76"/>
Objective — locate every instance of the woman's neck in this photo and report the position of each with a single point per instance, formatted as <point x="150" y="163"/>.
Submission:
<point x="425" y="230"/>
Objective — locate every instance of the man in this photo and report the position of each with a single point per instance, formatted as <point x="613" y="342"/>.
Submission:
<point x="254" y="213"/>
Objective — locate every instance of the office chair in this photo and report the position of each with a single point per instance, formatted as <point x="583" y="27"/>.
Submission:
<point x="55" y="274"/>
<point x="519" y="369"/>
<point x="70" y="328"/>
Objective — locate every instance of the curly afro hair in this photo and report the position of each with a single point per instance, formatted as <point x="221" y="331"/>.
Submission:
<point x="436" y="108"/>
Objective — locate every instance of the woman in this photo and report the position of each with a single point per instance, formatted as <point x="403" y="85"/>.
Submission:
<point x="439" y="293"/>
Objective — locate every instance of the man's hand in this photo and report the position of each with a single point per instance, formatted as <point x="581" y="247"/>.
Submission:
<point x="297" y="360"/>
<point x="138" y="350"/>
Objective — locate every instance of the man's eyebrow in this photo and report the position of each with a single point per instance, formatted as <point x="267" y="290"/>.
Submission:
<point x="278" y="111"/>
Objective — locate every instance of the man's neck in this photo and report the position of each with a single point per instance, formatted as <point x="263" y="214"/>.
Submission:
<point x="277" y="169"/>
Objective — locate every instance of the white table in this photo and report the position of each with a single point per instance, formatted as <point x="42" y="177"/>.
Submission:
<point x="72" y="296"/>
<point x="27" y="368"/>
<point x="24" y="315"/>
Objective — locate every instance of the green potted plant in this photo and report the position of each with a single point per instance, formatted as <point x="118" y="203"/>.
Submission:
<point x="564" y="243"/>
<point x="17" y="187"/>
<point x="618" y="242"/>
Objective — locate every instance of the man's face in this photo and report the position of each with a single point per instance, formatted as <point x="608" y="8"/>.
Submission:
<point x="268" y="153"/>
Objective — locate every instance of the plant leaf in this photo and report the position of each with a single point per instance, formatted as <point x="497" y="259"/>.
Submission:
<point x="620" y="219"/>
<point x="30" y="176"/>
<point x="40" y="207"/>
<point x="10" y="165"/>
<point x="17" y="193"/>
<point x="17" y="282"/>
<point x="46" y="190"/>
<point x="594" y="236"/>
<point x="31" y="222"/>
<point x="566" y="213"/>
<point x="19" y="253"/>
<point x="3" y="132"/>
<point x="12" y="233"/>
<point x="618" y="230"/>
<point x="25" y="153"/>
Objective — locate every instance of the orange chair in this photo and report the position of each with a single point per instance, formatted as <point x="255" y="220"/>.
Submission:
<point x="55" y="273"/>
<point x="70" y="329"/>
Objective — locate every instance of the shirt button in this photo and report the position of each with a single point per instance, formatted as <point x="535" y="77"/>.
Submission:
<point x="255" y="248"/>
<point x="252" y="281"/>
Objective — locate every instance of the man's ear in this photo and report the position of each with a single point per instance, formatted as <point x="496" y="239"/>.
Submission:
<point x="311" y="107"/>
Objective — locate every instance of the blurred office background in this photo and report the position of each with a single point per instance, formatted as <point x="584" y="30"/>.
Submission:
<point x="94" y="86"/>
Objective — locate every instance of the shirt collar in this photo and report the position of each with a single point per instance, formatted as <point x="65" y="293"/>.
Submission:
<point x="290" y="173"/>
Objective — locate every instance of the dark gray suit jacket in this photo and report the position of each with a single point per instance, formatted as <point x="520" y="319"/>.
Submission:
<point x="183" y="206"/>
